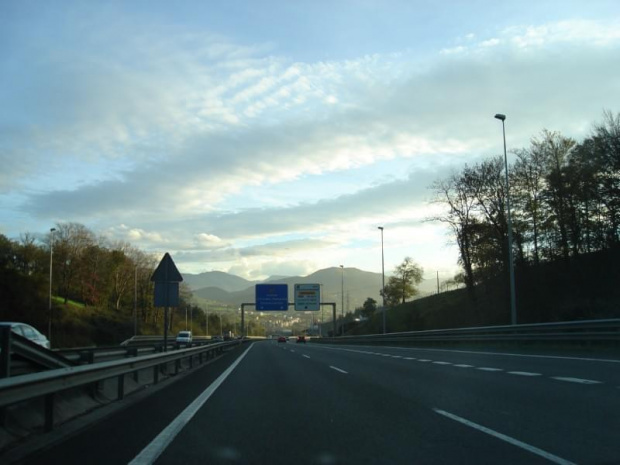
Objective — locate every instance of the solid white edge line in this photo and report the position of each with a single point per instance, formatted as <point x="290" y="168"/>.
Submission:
<point x="338" y="369"/>
<point x="151" y="452"/>
<point x="508" y="439"/>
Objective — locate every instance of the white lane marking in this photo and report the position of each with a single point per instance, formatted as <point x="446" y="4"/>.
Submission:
<point x="424" y="360"/>
<point x="442" y="363"/>
<point x="508" y="439"/>
<point x="409" y="358"/>
<point x="396" y="356"/>
<point x="576" y="380"/>
<point x="305" y="356"/>
<point x="292" y="351"/>
<point x="463" y="365"/>
<point x="488" y="369"/>
<point x="150" y="453"/>
<point x="523" y="373"/>
<point x="338" y="369"/>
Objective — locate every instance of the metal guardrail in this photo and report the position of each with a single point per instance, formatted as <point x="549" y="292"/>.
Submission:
<point x="47" y="384"/>
<point x="584" y="331"/>
<point x="18" y="354"/>
<point x="137" y="345"/>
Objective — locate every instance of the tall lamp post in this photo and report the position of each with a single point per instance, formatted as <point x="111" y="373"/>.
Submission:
<point x="513" y="299"/>
<point x="49" y="316"/>
<point x="342" y="301"/>
<point x="382" y="277"/>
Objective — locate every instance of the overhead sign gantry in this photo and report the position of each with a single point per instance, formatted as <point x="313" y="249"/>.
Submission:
<point x="274" y="298"/>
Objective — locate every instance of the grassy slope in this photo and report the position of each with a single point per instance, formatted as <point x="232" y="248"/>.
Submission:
<point x="584" y="288"/>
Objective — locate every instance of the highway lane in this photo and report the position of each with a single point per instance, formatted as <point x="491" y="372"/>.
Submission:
<point x="119" y="437"/>
<point x="318" y="404"/>
<point x="346" y="404"/>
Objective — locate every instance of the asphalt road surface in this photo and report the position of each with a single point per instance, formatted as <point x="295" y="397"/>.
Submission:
<point x="272" y="403"/>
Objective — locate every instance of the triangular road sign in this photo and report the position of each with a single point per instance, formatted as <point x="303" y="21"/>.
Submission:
<point x="167" y="271"/>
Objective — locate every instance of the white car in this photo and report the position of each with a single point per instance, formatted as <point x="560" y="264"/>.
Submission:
<point x="29" y="333"/>
<point x="184" y="337"/>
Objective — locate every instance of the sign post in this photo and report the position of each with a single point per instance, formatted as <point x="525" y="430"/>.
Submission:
<point x="166" y="278"/>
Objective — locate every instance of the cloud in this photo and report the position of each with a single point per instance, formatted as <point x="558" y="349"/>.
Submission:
<point x="190" y="141"/>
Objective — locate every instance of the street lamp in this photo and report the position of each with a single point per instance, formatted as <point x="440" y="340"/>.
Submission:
<point x="382" y="277"/>
<point x="342" y="300"/>
<point x="49" y="316"/>
<point x="513" y="299"/>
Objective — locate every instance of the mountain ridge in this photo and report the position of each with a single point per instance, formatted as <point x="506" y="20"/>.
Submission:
<point x="358" y="285"/>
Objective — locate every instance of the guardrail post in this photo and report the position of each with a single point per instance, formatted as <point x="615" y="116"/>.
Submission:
<point x="5" y="363"/>
<point x="156" y="374"/>
<point x="5" y="351"/>
<point x="49" y="412"/>
<point x="191" y="362"/>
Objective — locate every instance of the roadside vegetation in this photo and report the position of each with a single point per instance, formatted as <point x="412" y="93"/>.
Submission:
<point x="565" y="205"/>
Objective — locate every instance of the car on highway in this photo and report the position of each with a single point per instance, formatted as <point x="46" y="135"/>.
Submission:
<point x="30" y="333"/>
<point x="301" y="339"/>
<point x="217" y="338"/>
<point x="184" y="337"/>
<point x="281" y="339"/>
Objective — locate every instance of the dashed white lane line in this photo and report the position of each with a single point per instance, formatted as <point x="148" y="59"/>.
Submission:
<point x="305" y="356"/>
<point x="576" y="380"/>
<point x="339" y="370"/>
<point x="508" y="439"/>
<point x="488" y="369"/>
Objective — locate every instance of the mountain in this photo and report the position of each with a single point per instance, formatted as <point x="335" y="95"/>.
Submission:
<point x="358" y="285"/>
<point x="224" y="281"/>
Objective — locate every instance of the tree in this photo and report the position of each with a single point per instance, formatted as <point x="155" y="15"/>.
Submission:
<point x="402" y="285"/>
<point x="369" y="307"/>
<point x="460" y="218"/>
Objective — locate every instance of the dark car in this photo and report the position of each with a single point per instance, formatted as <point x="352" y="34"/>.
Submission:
<point x="301" y="339"/>
<point x="281" y="339"/>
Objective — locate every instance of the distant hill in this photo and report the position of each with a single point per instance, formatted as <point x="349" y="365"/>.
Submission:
<point x="358" y="286"/>
<point x="224" y="281"/>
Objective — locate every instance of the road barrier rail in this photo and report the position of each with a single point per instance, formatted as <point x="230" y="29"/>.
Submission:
<point x="583" y="332"/>
<point x="47" y="384"/>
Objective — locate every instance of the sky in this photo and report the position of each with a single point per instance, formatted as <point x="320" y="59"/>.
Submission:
<point x="274" y="137"/>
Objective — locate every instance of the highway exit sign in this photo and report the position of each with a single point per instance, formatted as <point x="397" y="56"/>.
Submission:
<point x="307" y="297"/>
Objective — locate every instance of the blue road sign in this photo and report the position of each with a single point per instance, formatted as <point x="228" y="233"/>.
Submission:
<point x="271" y="297"/>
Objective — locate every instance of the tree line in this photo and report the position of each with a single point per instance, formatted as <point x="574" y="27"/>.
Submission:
<point x="112" y="280"/>
<point x="564" y="196"/>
